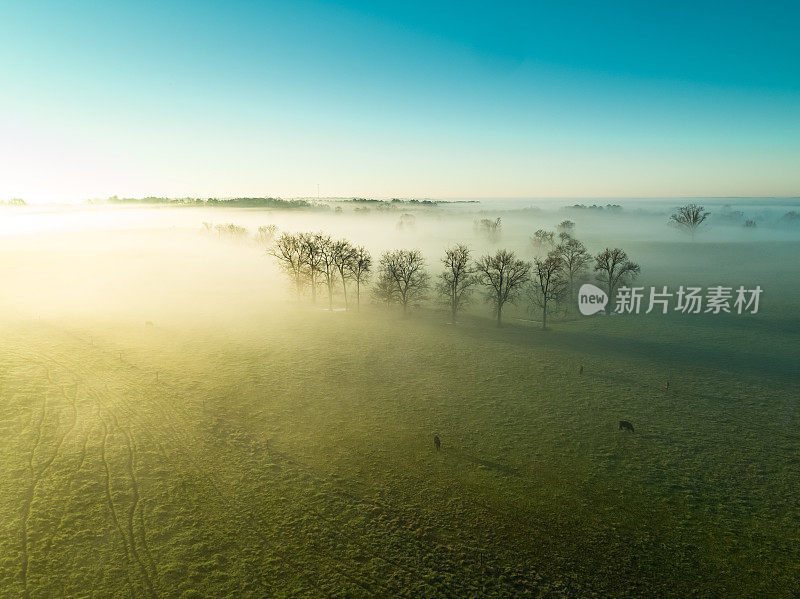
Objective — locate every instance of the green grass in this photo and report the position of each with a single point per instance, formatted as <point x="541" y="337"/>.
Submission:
<point x="293" y="456"/>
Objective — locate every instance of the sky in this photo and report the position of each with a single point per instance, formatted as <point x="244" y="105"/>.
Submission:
<point x="399" y="99"/>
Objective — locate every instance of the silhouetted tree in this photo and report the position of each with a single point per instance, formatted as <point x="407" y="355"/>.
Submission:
<point x="456" y="282"/>
<point x="312" y="259"/>
<point x="504" y="275"/>
<point x="549" y="282"/>
<point x="289" y="251"/>
<point x="360" y="268"/>
<point x="384" y="290"/>
<point x="343" y="255"/>
<point x="612" y="268"/>
<point x="543" y="241"/>
<point x="328" y="270"/>
<point x="490" y="228"/>
<point x="566" y="227"/>
<point x="575" y="260"/>
<point x="403" y="274"/>
<point x="266" y="234"/>
<point x="407" y="221"/>
<point x="689" y="218"/>
<point x="231" y="231"/>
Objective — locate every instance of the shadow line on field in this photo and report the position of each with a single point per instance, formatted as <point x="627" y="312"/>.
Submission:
<point x="784" y="368"/>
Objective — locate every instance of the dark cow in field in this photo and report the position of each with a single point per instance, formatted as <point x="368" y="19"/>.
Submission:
<point x="437" y="443"/>
<point x="625" y="425"/>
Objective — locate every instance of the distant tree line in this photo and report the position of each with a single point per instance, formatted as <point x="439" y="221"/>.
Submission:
<point x="270" y="203"/>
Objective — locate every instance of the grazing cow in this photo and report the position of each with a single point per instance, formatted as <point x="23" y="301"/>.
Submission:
<point x="666" y="385"/>
<point x="149" y="323"/>
<point x="437" y="443"/>
<point x="581" y="370"/>
<point x="624" y="424"/>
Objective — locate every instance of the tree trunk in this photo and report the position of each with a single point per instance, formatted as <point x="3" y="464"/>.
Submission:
<point x="358" y="295"/>
<point x="344" y="291"/>
<point x="499" y="315"/>
<point x="544" y="315"/>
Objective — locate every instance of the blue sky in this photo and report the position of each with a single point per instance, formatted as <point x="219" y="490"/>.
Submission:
<point x="534" y="99"/>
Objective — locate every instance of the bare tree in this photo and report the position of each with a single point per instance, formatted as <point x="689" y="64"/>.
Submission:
<point x="504" y="275"/>
<point x="266" y="234"/>
<point x="689" y="218"/>
<point x="231" y="231"/>
<point x="289" y="251"/>
<point x="407" y="221"/>
<point x="312" y="259"/>
<point x="490" y="228"/>
<point x="360" y="269"/>
<point x="456" y="282"/>
<point x="566" y="227"/>
<point x="385" y="290"/>
<point x="327" y="265"/>
<point x="575" y="260"/>
<point x="403" y="274"/>
<point x="343" y="255"/>
<point x="549" y="282"/>
<point x="612" y="267"/>
<point x="542" y="241"/>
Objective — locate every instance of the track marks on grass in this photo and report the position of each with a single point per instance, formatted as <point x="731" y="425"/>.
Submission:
<point x="38" y="468"/>
<point x="114" y="441"/>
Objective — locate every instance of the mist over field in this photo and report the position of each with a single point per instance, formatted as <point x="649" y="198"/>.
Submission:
<point x="176" y="422"/>
<point x="141" y="262"/>
<point x="399" y="299"/>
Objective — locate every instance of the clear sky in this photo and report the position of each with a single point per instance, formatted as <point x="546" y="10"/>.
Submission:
<point x="423" y="99"/>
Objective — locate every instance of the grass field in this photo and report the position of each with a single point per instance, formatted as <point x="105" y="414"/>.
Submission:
<point x="295" y="459"/>
<point x="249" y="446"/>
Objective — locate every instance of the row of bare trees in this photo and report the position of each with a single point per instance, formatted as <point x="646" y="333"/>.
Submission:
<point x="547" y="281"/>
<point x="313" y="260"/>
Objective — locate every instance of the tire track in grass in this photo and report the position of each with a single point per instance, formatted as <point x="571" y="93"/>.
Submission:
<point x="142" y="526"/>
<point x="217" y="487"/>
<point x="109" y="501"/>
<point x="73" y="369"/>
<point x="131" y="513"/>
<point x="26" y="506"/>
<point x="37" y="472"/>
<point x="68" y="490"/>
<point x="129" y="543"/>
<point x="130" y="539"/>
<point x="71" y="478"/>
<point x="170" y="417"/>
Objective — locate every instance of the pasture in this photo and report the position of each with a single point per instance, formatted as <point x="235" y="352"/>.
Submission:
<point x="249" y="448"/>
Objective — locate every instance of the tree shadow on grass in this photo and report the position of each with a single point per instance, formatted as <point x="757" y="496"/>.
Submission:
<point x="705" y="349"/>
